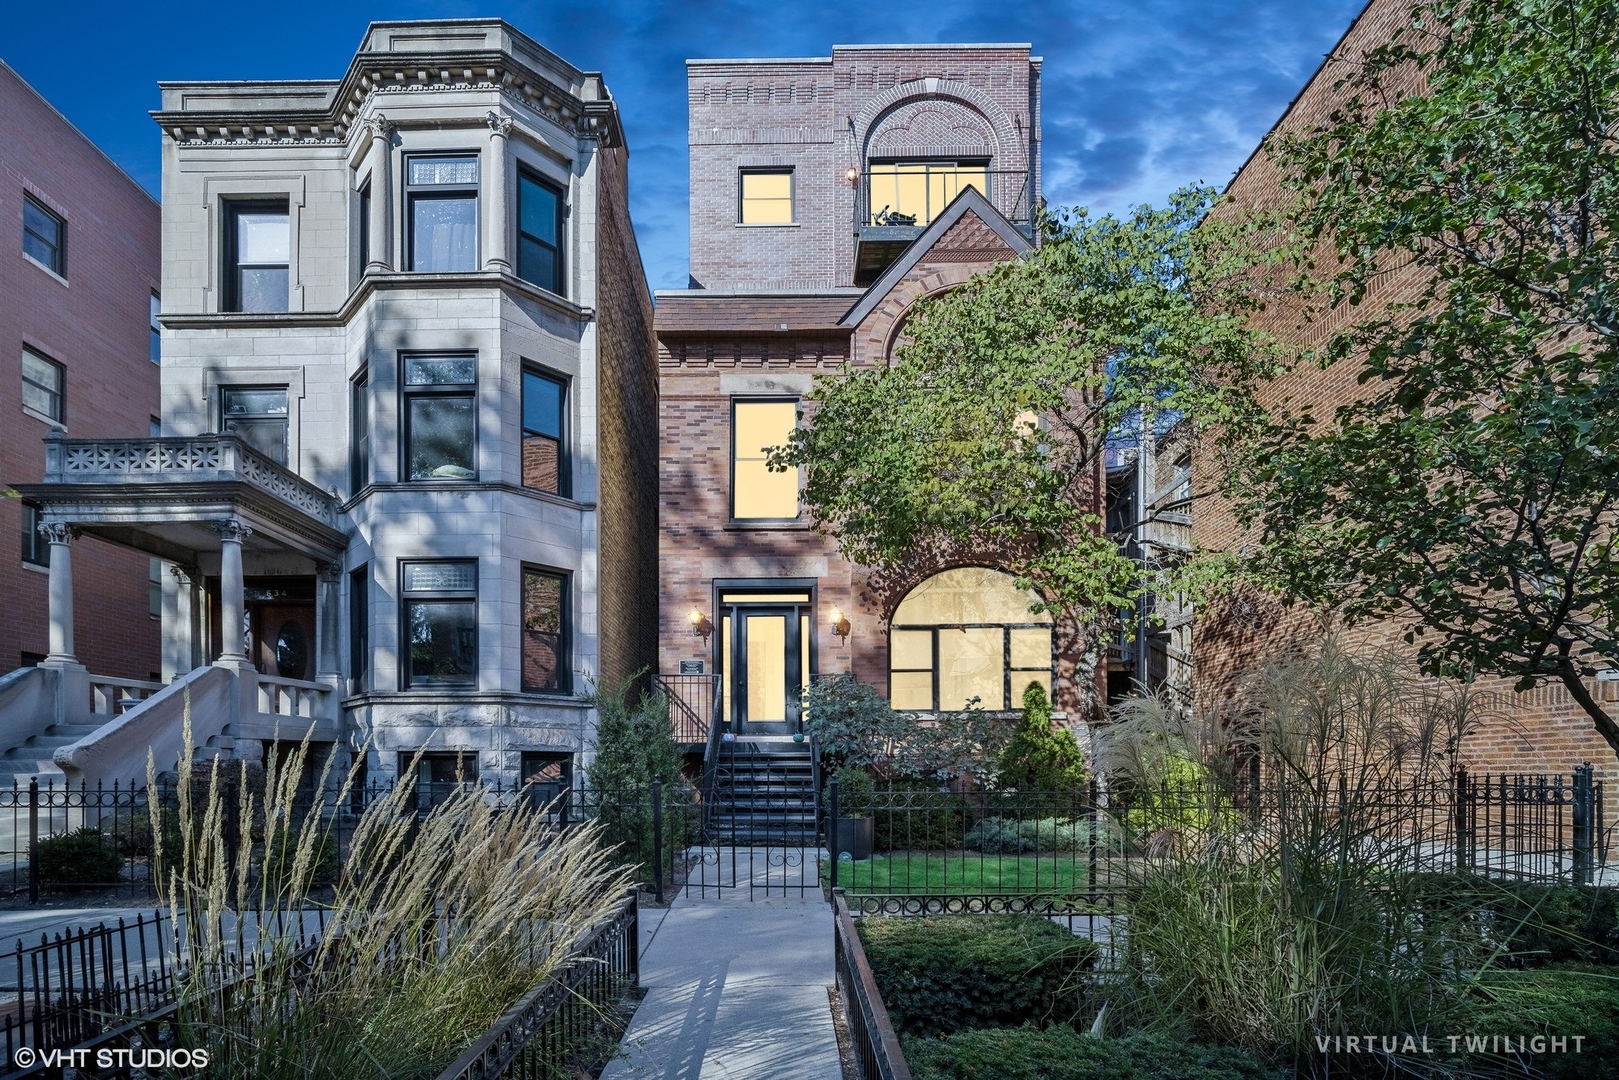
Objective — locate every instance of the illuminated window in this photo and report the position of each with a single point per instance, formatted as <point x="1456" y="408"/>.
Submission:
<point x="767" y="197"/>
<point x="920" y="189"/>
<point x="964" y="634"/>
<point x="756" y="492"/>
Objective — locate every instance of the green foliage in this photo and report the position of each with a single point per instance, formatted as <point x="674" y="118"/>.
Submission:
<point x="1013" y="836"/>
<point x="1061" y="1053"/>
<point x="855" y="725"/>
<point x="1041" y="757"/>
<point x="938" y="975"/>
<point x="1539" y="924"/>
<point x="635" y="746"/>
<point x="1487" y="420"/>
<point x="1555" y="1002"/>
<point x="325" y="861"/>
<point x="78" y="859"/>
<point x="915" y="815"/>
<point x="1107" y="321"/>
<point x="857" y="794"/>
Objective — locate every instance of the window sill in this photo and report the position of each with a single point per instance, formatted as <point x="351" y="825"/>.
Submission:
<point x="44" y="419"/>
<point x="38" y="568"/>
<point x="391" y="487"/>
<point x="776" y="525"/>
<point x="769" y="224"/>
<point x="60" y="280"/>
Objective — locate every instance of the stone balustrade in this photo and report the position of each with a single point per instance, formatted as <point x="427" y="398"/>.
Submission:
<point x="111" y="697"/>
<point x="198" y="459"/>
<point x="295" y="697"/>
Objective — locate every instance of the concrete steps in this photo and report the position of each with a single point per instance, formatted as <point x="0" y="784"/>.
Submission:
<point x="764" y="795"/>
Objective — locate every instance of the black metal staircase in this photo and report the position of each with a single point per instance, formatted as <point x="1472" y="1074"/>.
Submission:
<point x="763" y="795"/>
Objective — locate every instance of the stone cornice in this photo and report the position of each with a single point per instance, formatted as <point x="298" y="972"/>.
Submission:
<point x="591" y="115"/>
<point x="373" y="283"/>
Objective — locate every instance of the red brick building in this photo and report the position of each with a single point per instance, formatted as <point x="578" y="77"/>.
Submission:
<point x="827" y="196"/>
<point x="78" y="353"/>
<point x="1541" y="730"/>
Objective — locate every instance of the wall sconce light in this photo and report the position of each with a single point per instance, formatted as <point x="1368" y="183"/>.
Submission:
<point x="840" y="625"/>
<point x="700" y="624"/>
<point x="852" y="175"/>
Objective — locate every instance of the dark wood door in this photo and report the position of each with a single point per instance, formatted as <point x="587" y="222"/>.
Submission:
<point x="284" y="640"/>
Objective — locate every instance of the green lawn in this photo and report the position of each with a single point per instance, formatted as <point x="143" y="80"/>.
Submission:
<point x="947" y="873"/>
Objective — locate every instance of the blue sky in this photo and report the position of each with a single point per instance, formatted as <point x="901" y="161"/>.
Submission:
<point x="1141" y="96"/>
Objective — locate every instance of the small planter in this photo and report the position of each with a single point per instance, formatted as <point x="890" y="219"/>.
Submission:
<point x="852" y="835"/>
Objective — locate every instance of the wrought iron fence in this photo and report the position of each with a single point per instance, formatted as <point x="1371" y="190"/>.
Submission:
<point x="876" y="1046"/>
<point x="551" y="1027"/>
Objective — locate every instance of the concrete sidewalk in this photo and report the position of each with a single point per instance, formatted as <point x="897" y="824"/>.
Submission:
<point x="736" y="990"/>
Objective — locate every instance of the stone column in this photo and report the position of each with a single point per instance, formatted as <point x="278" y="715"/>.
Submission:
<point x="187" y="630"/>
<point x="60" y="536"/>
<point x="498" y="199"/>
<point x="328" y="623"/>
<point x="232" y="602"/>
<point x="379" y="259"/>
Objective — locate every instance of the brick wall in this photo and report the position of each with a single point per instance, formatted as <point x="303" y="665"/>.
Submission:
<point x="627" y="402"/>
<point x="1539" y="730"/>
<point x="95" y="325"/>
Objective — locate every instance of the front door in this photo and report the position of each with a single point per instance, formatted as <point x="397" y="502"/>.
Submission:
<point x="764" y="653"/>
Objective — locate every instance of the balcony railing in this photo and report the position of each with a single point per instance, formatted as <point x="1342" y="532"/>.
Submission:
<point x="693" y="704"/>
<point x="199" y="459"/>
<point x="1008" y="190"/>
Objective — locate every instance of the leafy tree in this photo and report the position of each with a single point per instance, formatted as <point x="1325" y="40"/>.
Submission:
<point x="1471" y="487"/>
<point x="987" y="430"/>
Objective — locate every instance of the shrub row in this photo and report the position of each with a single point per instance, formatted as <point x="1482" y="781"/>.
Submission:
<point x="937" y="975"/>
<point x="1061" y="1053"/>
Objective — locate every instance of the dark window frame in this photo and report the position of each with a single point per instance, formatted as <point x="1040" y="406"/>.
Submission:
<point x="742" y="173"/>
<point x="472" y="191"/>
<point x="35" y="550"/>
<point x="731" y="466"/>
<point x="564" y="428"/>
<point x="155" y="341"/>
<point x="365" y="227"/>
<point x="466" y="765"/>
<point x="564" y="649"/>
<point x="57" y="263"/>
<point x="408" y="391"/>
<point x="543" y="793"/>
<point x="226" y="419"/>
<point x="1012" y="693"/>
<point x="232" y="275"/>
<point x="360" y="627"/>
<point x="407" y="679"/>
<point x="359" y="431"/>
<point x="58" y="393"/>
<point x="558" y="283"/>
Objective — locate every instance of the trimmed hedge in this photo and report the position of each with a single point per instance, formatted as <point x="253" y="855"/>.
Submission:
<point x="78" y="859"/>
<point x="1061" y="1053"/>
<point x="914" y="815"/>
<point x="938" y="975"/>
<point x="1559" y="1001"/>
<point x="1555" y="924"/>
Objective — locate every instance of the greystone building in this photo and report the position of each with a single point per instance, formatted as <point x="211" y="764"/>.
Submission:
<point x="406" y="480"/>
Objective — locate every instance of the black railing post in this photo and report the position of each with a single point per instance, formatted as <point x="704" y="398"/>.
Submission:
<point x="832" y="827"/>
<point x="33" y="840"/>
<point x="1459" y="818"/>
<point x="657" y="838"/>
<point x="1090" y="843"/>
<point x="1583" y="800"/>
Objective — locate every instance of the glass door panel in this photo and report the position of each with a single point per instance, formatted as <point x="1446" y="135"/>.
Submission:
<point x="766" y="642"/>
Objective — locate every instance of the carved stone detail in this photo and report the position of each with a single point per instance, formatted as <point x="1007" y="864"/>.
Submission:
<point x="233" y="529"/>
<point x="57" y="532"/>
<point x="499" y="123"/>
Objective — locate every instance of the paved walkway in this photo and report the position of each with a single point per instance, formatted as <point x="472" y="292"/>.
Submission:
<point x="736" y="990"/>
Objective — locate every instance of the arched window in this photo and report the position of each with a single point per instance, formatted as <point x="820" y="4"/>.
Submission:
<point x="967" y="633"/>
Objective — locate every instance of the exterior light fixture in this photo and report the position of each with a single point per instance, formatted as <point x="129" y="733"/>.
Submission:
<point x="700" y="624"/>
<point x="852" y="175"/>
<point x="840" y="625"/>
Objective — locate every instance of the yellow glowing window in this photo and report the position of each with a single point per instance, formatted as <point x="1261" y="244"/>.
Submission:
<point x="963" y="634"/>
<point x="756" y="492"/>
<point x="920" y="189"/>
<point x="767" y="198"/>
